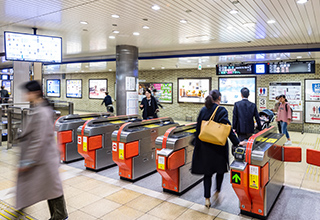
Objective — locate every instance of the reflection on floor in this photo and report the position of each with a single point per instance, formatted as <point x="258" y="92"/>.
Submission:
<point x="102" y="195"/>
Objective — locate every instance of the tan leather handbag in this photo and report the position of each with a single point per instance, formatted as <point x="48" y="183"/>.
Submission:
<point x="214" y="132"/>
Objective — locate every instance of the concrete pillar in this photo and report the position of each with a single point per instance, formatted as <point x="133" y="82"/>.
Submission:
<point x="21" y="75"/>
<point x="126" y="79"/>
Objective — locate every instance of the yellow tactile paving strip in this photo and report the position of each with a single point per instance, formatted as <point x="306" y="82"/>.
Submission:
<point x="9" y="213"/>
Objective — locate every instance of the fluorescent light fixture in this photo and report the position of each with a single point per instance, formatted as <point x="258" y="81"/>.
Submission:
<point x="115" y="16"/>
<point x="234" y="11"/>
<point x="83" y="22"/>
<point x="87" y="66"/>
<point x="136" y="33"/>
<point x="189" y="61"/>
<point x="271" y="21"/>
<point x="77" y="71"/>
<point x="183" y="21"/>
<point x="299" y="57"/>
<point x="162" y="67"/>
<point x="249" y="24"/>
<point x="208" y="65"/>
<point x="152" y="68"/>
<point x="155" y="7"/>
<point x="112" y="37"/>
<point x="82" y="71"/>
<point x="110" y="69"/>
<point x="302" y="1"/>
<point x="116" y="32"/>
<point x="278" y="58"/>
<point x="229" y="27"/>
<point x="145" y="27"/>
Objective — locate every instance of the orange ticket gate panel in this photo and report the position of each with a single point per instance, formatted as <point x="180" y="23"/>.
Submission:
<point x="257" y="173"/>
<point x="95" y="142"/>
<point x="66" y="134"/>
<point x="133" y="146"/>
<point x="174" y="156"/>
<point x="313" y="157"/>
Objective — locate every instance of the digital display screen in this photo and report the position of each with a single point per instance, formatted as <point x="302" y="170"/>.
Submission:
<point x="33" y="48"/>
<point x="193" y="90"/>
<point x="97" y="88"/>
<point x="53" y="87"/>
<point x="74" y="88"/>
<point x="234" y="69"/>
<point x="292" y="67"/>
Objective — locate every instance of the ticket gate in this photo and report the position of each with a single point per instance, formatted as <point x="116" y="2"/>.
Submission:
<point x="257" y="173"/>
<point x="94" y="140"/>
<point x="174" y="156"/>
<point x="133" y="146"/>
<point x="66" y="134"/>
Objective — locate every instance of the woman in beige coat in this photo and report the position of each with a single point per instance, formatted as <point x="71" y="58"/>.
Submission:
<point x="38" y="174"/>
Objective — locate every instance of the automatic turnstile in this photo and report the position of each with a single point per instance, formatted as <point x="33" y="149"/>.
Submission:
<point x="66" y="134"/>
<point x="133" y="146"/>
<point x="257" y="173"/>
<point x="174" y="156"/>
<point x="94" y="140"/>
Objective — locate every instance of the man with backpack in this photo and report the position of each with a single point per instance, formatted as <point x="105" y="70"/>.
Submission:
<point x="284" y="116"/>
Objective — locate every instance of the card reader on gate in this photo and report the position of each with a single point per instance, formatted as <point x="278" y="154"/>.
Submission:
<point x="240" y="153"/>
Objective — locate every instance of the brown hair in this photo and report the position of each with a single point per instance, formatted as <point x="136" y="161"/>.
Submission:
<point x="212" y="97"/>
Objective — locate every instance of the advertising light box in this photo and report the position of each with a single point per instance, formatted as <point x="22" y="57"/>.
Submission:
<point x="74" y="88"/>
<point x="230" y="89"/>
<point x="312" y="89"/>
<point x="53" y="87"/>
<point x="193" y="90"/>
<point x="164" y="91"/>
<point x="7" y="85"/>
<point x="97" y="88"/>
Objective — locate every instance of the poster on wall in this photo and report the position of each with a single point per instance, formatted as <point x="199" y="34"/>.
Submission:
<point x="312" y="112"/>
<point x="262" y="103"/>
<point x="295" y="105"/>
<point x="7" y="85"/>
<point x="312" y="89"/>
<point x="292" y="90"/>
<point x="97" y="88"/>
<point x="74" y="88"/>
<point x="193" y="90"/>
<point x="132" y="103"/>
<point x="130" y="83"/>
<point x="53" y="88"/>
<point x="164" y="91"/>
<point x="230" y="89"/>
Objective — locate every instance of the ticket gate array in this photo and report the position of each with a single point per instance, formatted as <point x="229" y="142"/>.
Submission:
<point x="133" y="146"/>
<point x="257" y="173"/>
<point x="174" y="157"/>
<point x="66" y="134"/>
<point x="94" y="140"/>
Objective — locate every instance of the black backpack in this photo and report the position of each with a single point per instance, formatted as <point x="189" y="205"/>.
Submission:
<point x="291" y="110"/>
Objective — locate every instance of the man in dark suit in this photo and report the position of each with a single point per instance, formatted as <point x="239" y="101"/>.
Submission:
<point x="243" y="113"/>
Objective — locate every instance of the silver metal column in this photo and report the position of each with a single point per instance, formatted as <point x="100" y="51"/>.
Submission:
<point x="126" y="67"/>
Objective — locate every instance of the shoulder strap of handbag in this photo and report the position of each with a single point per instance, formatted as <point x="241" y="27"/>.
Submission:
<point x="213" y="114"/>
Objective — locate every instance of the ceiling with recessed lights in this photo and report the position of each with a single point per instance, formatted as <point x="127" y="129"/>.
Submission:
<point x="92" y="28"/>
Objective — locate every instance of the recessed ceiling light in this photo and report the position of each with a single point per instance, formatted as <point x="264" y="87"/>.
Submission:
<point x="115" y="16"/>
<point x="229" y="27"/>
<point x="249" y="24"/>
<point x="233" y="11"/>
<point x="145" y="27"/>
<point x="183" y="21"/>
<point x="155" y="7"/>
<point x="299" y="57"/>
<point x="189" y="61"/>
<point x="82" y="71"/>
<point x="136" y="33"/>
<point x="302" y="1"/>
<point x="112" y="37"/>
<point x="83" y="22"/>
<point x="271" y="21"/>
<point x="110" y="69"/>
<point x="115" y="32"/>
<point x="77" y="71"/>
<point x="162" y="67"/>
<point x="278" y="58"/>
<point x="152" y="68"/>
<point x="208" y="65"/>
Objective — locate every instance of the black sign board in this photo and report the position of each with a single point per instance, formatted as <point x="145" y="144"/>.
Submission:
<point x="234" y="69"/>
<point x="292" y="67"/>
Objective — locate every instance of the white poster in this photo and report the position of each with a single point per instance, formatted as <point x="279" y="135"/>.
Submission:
<point x="132" y="103"/>
<point x="296" y="105"/>
<point x="263" y="103"/>
<point x="296" y="116"/>
<point x="292" y="90"/>
<point x="97" y="88"/>
<point x="74" y="88"/>
<point x="130" y="83"/>
<point x="262" y="91"/>
<point x="312" y="112"/>
<point x="312" y="89"/>
<point x="193" y="90"/>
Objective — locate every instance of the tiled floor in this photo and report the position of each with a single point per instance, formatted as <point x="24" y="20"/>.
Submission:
<point x="93" y="196"/>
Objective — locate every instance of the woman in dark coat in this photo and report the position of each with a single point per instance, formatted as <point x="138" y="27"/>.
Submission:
<point x="149" y="105"/>
<point x="208" y="158"/>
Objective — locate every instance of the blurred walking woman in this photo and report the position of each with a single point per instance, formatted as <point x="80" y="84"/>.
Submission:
<point x="208" y="158"/>
<point x="149" y="105"/>
<point x="38" y="174"/>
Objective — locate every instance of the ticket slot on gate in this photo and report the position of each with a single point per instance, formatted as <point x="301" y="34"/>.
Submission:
<point x="66" y="133"/>
<point x="174" y="156"/>
<point x="133" y="146"/>
<point x="94" y="140"/>
<point x="257" y="173"/>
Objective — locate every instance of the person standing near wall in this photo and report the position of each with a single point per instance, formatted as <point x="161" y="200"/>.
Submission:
<point x="149" y="106"/>
<point x="275" y="110"/>
<point x="284" y="116"/>
<point x="108" y="102"/>
<point x="38" y="168"/>
<point x="4" y="95"/>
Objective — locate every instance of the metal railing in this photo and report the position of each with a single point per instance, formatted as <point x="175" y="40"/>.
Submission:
<point x="65" y="107"/>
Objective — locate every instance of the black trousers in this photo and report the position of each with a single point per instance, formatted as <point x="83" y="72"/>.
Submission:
<point x="207" y="182"/>
<point x="57" y="207"/>
<point x="244" y="136"/>
<point x="279" y="127"/>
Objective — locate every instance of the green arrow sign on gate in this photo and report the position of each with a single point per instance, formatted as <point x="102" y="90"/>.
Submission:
<point x="236" y="177"/>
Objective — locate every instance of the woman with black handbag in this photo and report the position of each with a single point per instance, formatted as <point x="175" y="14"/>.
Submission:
<point x="209" y="158"/>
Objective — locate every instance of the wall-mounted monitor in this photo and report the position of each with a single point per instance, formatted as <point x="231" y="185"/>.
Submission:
<point x="193" y="90"/>
<point x="7" y="85"/>
<point x="230" y="87"/>
<point x="164" y="90"/>
<point x="74" y="88"/>
<point x="32" y="48"/>
<point x="292" y="67"/>
<point x="53" y="88"/>
<point x="97" y="88"/>
<point x="234" y="69"/>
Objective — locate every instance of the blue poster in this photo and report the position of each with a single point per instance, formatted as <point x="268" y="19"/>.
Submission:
<point x="53" y="87"/>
